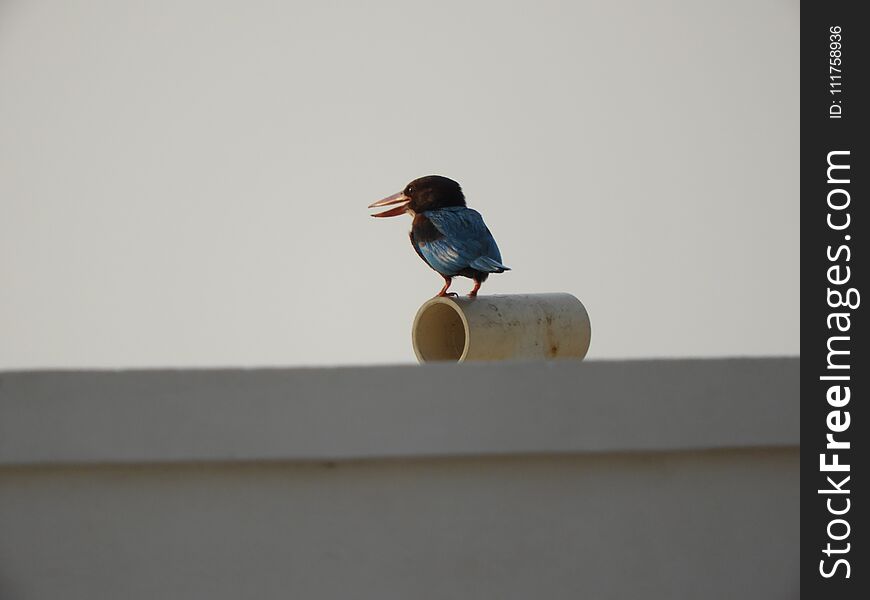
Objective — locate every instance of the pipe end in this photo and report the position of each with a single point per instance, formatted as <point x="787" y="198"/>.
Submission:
<point x="440" y="331"/>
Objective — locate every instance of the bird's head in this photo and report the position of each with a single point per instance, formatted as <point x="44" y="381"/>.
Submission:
<point x="426" y="193"/>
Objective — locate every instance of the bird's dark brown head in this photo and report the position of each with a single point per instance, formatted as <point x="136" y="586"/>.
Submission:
<point x="433" y="192"/>
<point x="426" y="193"/>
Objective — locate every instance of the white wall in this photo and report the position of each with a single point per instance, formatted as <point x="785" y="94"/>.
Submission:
<point x="624" y="479"/>
<point x="184" y="183"/>
<point x="659" y="526"/>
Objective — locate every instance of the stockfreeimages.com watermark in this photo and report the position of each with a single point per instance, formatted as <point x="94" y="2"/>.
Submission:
<point x="842" y="299"/>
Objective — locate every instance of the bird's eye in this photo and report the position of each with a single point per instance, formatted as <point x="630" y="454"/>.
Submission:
<point x="410" y="190"/>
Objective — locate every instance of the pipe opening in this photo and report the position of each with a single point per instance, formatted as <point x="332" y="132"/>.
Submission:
<point x="440" y="333"/>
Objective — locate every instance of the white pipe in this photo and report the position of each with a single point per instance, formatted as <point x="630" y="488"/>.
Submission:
<point x="511" y="327"/>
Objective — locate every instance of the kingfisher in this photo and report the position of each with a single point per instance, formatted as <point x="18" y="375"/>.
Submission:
<point x="449" y="237"/>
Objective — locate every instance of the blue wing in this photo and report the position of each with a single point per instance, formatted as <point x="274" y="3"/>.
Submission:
<point x="466" y="242"/>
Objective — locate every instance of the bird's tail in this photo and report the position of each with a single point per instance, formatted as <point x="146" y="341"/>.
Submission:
<point x="488" y="265"/>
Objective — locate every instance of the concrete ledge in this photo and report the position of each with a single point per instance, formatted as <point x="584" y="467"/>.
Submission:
<point x="408" y="411"/>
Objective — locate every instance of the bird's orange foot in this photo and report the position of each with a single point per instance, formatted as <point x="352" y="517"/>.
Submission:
<point x="447" y="295"/>
<point x="472" y="295"/>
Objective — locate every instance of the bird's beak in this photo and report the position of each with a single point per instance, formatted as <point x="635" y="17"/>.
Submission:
<point x="401" y="199"/>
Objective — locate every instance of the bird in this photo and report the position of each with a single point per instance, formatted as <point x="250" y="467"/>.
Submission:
<point x="449" y="237"/>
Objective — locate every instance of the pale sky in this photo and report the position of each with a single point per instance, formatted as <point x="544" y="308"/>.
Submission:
<point x="185" y="183"/>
